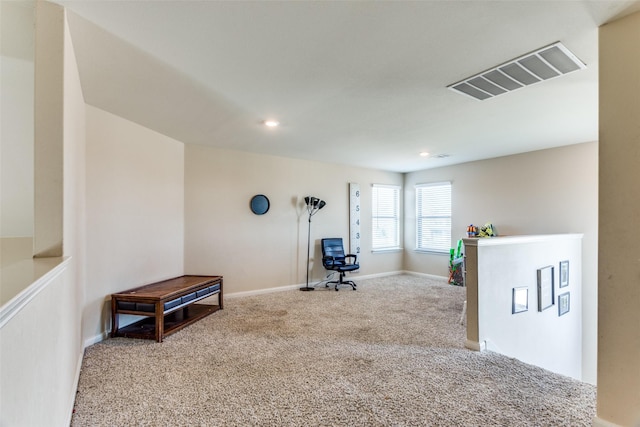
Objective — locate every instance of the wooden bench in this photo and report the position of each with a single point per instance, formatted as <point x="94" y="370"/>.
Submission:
<point x="168" y="306"/>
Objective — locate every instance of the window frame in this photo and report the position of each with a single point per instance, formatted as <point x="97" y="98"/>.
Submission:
<point x="420" y="217"/>
<point x="396" y="217"/>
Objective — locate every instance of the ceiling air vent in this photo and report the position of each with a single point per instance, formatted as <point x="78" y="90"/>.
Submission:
<point x="543" y="64"/>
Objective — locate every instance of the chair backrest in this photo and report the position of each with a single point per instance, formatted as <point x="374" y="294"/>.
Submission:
<point x="333" y="247"/>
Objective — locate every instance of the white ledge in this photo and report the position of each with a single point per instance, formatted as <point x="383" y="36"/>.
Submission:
<point x="22" y="298"/>
<point x="515" y="240"/>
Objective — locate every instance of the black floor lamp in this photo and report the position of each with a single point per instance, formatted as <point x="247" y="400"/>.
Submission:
<point x="313" y="206"/>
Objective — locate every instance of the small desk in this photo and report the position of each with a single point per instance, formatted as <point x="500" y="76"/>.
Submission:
<point x="168" y="306"/>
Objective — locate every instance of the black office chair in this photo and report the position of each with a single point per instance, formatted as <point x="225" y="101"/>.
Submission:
<point x="334" y="258"/>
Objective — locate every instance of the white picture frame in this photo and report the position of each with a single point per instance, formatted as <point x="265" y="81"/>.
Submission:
<point x="545" y="288"/>
<point x="519" y="300"/>
<point x="564" y="274"/>
<point x="564" y="303"/>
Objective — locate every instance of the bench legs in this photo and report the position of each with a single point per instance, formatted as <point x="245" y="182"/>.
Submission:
<point x="114" y="318"/>
<point x="159" y="321"/>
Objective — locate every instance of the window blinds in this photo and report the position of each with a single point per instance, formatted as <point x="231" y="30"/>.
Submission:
<point x="385" y="217"/>
<point x="433" y="216"/>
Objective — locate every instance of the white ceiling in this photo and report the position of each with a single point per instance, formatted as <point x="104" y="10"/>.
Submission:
<point x="361" y="83"/>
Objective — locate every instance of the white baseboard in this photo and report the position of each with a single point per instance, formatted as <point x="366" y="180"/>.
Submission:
<point x="96" y="339"/>
<point x="490" y="345"/>
<point x="302" y="285"/>
<point x="599" y="422"/>
<point x="430" y="276"/>
<point x="262" y="291"/>
<point x="386" y="274"/>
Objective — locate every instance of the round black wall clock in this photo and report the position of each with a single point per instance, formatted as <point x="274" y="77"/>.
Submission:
<point x="259" y="204"/>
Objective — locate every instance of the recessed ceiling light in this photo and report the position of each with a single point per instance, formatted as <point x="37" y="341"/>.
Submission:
<point x="424" y="154"/>
<point x="271" y="123"/>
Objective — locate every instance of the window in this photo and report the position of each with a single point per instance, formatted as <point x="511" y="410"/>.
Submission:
<point x="385" y="217"/>
<point x="433" y="216"/>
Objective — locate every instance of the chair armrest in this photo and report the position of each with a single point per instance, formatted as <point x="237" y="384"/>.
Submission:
<point x="355" y="258"/>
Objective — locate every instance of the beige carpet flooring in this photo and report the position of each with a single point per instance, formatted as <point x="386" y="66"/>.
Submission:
<point x="389" y="354"/>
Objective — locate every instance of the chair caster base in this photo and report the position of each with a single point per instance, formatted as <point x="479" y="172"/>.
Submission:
<point x="339" y="283"/>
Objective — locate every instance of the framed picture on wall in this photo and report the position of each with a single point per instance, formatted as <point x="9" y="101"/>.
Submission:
<point x="564" y="274"/>
<point x="546" y="296"/>
<point x="564" y="303"/>
<point x="519" y="300"/>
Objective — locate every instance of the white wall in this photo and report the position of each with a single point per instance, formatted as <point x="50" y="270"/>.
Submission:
<point x="542" y="192"/>
<point x="16" y="118"/>
<point x="134" y="212"/>
<point x="541" y="338"/>
<point x="224" y="237"/>
<point x="40" y="335"/>
<point x="41" y="353"/>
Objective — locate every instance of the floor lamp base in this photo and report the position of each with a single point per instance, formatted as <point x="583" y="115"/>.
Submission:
<point x="306" y="288"/>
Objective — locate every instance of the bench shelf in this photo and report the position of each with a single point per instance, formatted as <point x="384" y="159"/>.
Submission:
<point x="168" y="306"/>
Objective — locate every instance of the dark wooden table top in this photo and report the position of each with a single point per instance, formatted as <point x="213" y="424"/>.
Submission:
<point x="167" y="288"/>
